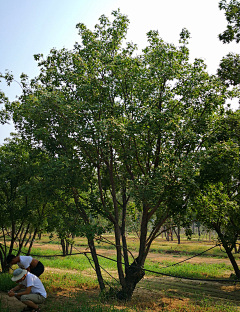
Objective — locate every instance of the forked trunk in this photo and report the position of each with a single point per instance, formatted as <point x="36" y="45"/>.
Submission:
<point x="134" y="274"/>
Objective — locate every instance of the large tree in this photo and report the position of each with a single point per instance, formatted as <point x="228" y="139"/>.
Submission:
<point x="136" y="121"/>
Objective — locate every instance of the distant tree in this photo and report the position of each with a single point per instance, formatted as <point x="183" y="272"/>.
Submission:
<point x="217" y="201"/>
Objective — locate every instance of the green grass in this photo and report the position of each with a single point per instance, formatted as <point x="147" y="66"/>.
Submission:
<point x="5" y="282"/>
<point x="3" y="309"/>
<point x="185" y="269"/>
<point x="78" y="262"/>
<point x="84" y="308"/>
<point x="189" y="270"/>
<point x="85" y="277"/>
<point x="57" y="281"/>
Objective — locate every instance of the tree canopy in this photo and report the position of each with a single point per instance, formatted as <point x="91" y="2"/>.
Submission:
<point x="232" y="14"/>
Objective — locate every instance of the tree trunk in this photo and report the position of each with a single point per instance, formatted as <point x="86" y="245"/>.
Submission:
<point x="199" y="232"/>
<point x="67" y="246"/>
<point x="91" y="245"/>
<point x="178" y="234"/>
<point x="96" y="263"/>
<point x="233" y="261"/>
<point x="134" y="274"/>
<point x="31" y="244"/>
<point x="4" y="266"/>
<point x="228" y="251"/>
<point x="21" y="242"/>
<point x="3" y="253"/>
<point x="123" y="231"/>
<point x="71" y="246"/>
<point x="63" y="247"/>
<point x="30" y="235"/>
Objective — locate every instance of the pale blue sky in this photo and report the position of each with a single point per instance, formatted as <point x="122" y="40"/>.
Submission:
<point x="29" y="27"/>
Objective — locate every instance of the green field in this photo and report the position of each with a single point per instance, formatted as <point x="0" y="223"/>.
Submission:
<point x="73" y="279"/>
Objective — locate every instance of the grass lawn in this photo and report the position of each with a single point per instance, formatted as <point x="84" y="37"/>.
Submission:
<point x="72" y="285"/>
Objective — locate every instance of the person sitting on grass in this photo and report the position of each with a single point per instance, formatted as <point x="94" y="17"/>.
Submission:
<point x="33" y="293"/>
<point x="28" y="263"/>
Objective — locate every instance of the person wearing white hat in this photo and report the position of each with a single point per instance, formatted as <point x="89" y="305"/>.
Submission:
<point x="33" y="293"/>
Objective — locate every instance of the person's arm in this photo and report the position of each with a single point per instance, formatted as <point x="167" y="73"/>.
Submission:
<point x="24" y="292"/>
<point x="19" y="286"/>
<point x="11" y="292"/>
<point x="15" y="260"/>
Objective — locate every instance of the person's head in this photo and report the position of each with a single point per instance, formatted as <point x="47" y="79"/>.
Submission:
<point x="10" y="259"/>
<point x="19" y="275"/>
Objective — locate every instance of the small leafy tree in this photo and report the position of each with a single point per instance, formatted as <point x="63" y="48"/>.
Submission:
<point x="22" y="209"/>
<point x="216" y="201"/>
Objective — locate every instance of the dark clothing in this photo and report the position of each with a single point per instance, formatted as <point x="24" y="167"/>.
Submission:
<point x="38" y="270"/>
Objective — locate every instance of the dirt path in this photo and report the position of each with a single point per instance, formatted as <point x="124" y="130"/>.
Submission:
<point x="11" y="302"/>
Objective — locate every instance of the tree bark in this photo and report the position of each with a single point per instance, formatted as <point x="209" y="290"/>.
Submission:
<point x="96" y="263"/>
<point x="177" y="232"/>
<point x="63" y="247"/>
<point x="4" y="266"/>
<point x="123" y="231"/>
<point x="134" y="274"/>
<point x="30" y="235"/>
<point x="31" y="244"/>
<point x="91" y="245"/>
<point x="233" y="261"/>
<point x="21" y="242"/>
<point x="228" y="251"/>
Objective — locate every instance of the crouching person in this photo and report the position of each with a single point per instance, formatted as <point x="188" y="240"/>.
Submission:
<point x="29" y="290"/>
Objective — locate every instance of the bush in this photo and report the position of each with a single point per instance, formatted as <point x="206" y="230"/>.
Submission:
<point x="5" y="282"/>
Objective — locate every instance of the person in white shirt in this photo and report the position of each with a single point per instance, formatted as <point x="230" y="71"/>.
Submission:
<point x="28" y="263"/>
<point x="29" y="290"/>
